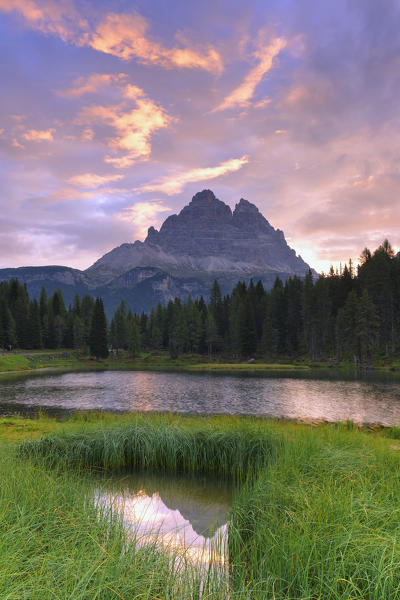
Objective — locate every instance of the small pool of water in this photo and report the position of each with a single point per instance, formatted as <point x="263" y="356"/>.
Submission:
<point x="185" y="515"/>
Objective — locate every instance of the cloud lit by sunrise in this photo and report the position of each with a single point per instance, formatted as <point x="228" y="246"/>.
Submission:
<point x="35" y="135"/>
<point x="142" y="215"/>
<point x="91" y="180"/>
<point x="125" y="36"/>
<point x="93" y="83"/>
<point x="175" y="183"/>
<point x="122" y="35"/>
<point x="245" y="91"/>
<point x="134" y="127"/>
<point x="103" y="106"/>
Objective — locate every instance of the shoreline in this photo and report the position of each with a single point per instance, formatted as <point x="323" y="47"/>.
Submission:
<point x="47" y="361"/>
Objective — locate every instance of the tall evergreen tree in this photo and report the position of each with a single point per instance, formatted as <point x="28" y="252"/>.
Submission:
<point x="98" y="331"/>
<point x="133" y="336"/>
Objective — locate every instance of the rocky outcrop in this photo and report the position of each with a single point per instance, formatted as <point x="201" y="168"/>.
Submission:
<point x="205" y="241"/>
<point x="206" y="236"/>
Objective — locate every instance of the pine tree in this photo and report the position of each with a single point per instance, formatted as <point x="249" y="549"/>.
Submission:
<point x="246" y="329"/>
<point x="20" y="312"/>
<point x="212" y="337"/>
<point x="367" y="326"/>
<point x="349" y="318"/>
<point x="119" y="330"/>
<point x="270" y="338"/>
<point x="216" y="307"/>
<point x="78" y="332"/>
<point x="43" y="315"/>
<point x="194" y="325"/>
<point x="134" y="342"/>
<point x="98" y="331"/>
<point x="35" y="328"/>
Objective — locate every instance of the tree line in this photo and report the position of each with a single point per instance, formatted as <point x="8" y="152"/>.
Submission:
<point x="345" y="314"/>
<point x="31" y="324"/>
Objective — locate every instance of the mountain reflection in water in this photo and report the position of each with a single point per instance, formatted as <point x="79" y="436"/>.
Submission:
<point x="176" y="512"/>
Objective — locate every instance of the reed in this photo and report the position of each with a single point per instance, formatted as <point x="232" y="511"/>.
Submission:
<point x="316" y="515"/>
<point x="322" y="522"/>
<point x="235" y="451"/>
<point x="55" y="543"/>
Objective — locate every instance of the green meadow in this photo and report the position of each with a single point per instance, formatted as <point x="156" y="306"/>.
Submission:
<point x="315" y="513"/>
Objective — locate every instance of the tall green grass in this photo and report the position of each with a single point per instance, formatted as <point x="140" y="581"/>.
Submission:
<point x="322" y="522"/>
<point x="56" y="544"/>
<point x="189" y="446"/>
<point x="317" y="516"/>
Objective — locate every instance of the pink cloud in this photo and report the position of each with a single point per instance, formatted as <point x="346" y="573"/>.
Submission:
<point x="92" y="180"/>
<point x="134" y="127"/>
<point x="173" y="184"/>
<point x="92" y="84"/>
<point x="142" y="215"/>
<point x="126" y="36"/>
<point x="245" y="91"/>
<point x="38" y="135"/>
<point x="122" y="35"/>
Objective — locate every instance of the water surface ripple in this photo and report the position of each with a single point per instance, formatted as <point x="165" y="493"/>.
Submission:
<point x="362" y="401"/>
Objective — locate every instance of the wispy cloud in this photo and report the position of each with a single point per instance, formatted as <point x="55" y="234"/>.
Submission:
<point x="126" y="36"/>
<point x="122" y="35"/>
<point x="175" y="183"/>
<point x="92" y="180"/>
<point x="16" y="144"/>
<point x="51" y="17"/>
<point x="39" y="135"/>
<point x="245" y="91"/>
<point x="134" y="126"/>
<point x="142" y="215"/>
<point x="92" y="84"/>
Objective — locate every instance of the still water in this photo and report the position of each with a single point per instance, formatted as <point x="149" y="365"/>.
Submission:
<point x="177" y="512"/>
<point x="362" y="401"/>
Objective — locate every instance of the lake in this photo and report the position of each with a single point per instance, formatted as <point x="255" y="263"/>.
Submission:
<point x="364" y="400"/>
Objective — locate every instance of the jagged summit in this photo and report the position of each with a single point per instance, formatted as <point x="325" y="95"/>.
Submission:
<point x="206" y="237"/>
<point x="247" y="216"/>
<point x="205" y="241"/>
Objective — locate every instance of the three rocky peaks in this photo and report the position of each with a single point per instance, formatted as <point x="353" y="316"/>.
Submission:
<point x="205" y="241"/>
<point x="206" y="236"/>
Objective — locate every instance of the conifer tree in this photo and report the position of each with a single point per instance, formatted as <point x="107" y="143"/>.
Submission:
<point x="35" y="328"/>
<point x="212" y="337"/>
<point x="133" y="334"/>
<point x="367" y="326"/>
<point x="98" y="331"/>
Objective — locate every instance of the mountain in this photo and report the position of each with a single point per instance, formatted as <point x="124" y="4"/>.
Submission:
<point x="205" y="241"/>
<point x="207" y="238"/>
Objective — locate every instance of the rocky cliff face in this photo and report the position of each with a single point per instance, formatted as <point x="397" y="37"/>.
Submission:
<point x="206" y="241"/>
<point x="207" y="237"/>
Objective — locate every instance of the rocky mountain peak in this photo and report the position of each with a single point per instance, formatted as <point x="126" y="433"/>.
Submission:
<point x="204" y="211"/>
<point x="205" y="205"/>
<point x="206" y="197"/>
<point x="151" y="233"/>
<point x="247" y="216"/>
<point x="244" y="206"/>
<point x="207" y="239"/>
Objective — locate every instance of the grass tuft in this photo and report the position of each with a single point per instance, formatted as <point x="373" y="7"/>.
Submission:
<point x="316" y="515"/>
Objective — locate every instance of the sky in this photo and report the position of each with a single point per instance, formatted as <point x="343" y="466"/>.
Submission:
<point x="113" y="114"/>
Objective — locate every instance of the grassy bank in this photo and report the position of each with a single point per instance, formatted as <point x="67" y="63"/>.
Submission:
<point x="316" y="515"/>
<point x="56" y="544"/>
<point x="71" y="360"/>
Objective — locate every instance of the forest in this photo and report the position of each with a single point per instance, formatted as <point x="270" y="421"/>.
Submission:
<point x="347" y="314"/>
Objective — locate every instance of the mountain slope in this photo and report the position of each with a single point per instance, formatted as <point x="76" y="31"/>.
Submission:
<point x="207" y="237"/>
<point x="205" y="241"/>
